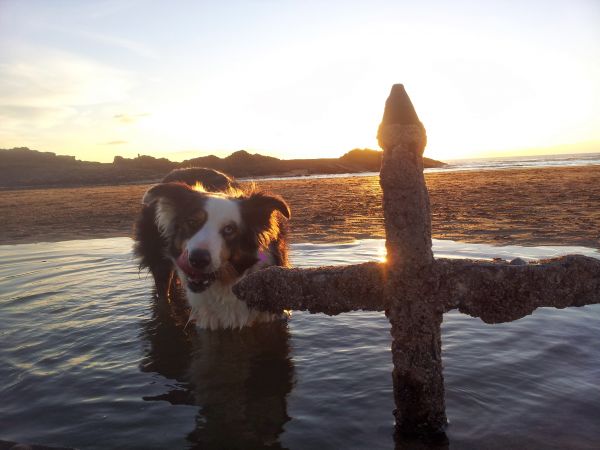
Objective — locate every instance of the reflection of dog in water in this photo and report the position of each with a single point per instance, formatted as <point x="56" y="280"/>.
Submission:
<point x="199" y="224"/>
<point x="239" y="379"/>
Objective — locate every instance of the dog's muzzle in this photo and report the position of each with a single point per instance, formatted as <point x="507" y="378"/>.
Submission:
<point x="194" y="267"/>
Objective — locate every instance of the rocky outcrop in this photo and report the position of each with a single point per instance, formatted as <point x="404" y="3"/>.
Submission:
<point x="25" y="167"/>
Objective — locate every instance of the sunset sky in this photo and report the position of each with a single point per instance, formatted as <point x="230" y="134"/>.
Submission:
<point x="303" y="79"/>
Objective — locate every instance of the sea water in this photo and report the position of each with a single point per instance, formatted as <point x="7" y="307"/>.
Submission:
<point x="90" y="359"/>
<point x="456" y="165"/>
<point x="521" y="162"/>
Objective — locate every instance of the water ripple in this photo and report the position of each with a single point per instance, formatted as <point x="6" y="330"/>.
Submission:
<point x="91" y="360"/>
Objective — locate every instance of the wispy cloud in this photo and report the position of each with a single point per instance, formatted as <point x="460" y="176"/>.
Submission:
<point x="52" y="87"/>
<point x="56" y="99"/>
<point x="11" y="115"/>
<point x="107" y="8"/>
<point x="115" y="143"/>
<point x="132" y="46"/>
<point x="130" y="118"/>
<point x="55" y="78"/>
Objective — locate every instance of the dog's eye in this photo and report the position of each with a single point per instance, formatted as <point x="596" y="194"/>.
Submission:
<point x="228" y="230"/>
<point x="192" y="223"/>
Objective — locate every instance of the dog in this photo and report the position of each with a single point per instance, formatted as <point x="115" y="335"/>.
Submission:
<point x="199" y="225"/>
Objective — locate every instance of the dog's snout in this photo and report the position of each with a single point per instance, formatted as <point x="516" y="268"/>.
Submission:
<point x="199" y="258"/>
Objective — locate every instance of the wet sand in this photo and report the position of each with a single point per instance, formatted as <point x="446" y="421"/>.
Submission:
<point x="550" y="206"/>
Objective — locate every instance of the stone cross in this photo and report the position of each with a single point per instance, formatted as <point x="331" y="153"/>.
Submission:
<point x="412" y="287"/>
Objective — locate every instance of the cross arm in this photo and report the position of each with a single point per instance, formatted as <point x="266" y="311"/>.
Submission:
<point x="501" y="292"/>
<point x="329" y="290"/>
<point x="495" y="292"/>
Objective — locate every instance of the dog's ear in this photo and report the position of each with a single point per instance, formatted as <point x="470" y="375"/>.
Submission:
<point x="265" y="204"/>
<point x="166" y="199"/>
<point x="258" y="210"/>
<point x="168" y="191"/>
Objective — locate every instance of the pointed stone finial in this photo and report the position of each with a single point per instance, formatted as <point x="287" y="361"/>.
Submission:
<point x="399" y="110"/>
<point x="400" y="122"/>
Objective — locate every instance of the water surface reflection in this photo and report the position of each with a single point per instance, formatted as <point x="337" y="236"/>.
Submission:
<point x="90" y="360"/>
<point x="238" y="379"/>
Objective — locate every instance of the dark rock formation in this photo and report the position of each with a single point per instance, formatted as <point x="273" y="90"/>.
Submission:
<point x="25" y="167"/>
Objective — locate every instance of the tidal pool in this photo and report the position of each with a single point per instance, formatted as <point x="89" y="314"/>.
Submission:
<point x="90" y="360"/>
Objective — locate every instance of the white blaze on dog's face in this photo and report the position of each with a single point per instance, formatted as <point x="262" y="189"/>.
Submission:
<point x="223" y="219"/>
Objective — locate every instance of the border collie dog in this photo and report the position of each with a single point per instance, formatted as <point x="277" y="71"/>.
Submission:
<point x="199" y="224"/>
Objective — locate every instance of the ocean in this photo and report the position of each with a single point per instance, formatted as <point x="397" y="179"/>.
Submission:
<point x="521" y="162"/>
<point x="509" y="162"/>
<point x="91" y="360"/>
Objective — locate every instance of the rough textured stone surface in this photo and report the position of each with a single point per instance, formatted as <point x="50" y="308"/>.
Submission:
<point x="414" y="312"/>
<point x="494" y="292"/>
<point x="329" y="290"/>
<point x="501" y="292"/>
<point x="413" y="288"/>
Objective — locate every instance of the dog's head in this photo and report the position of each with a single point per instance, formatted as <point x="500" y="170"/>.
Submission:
<point x="215" y="236"/>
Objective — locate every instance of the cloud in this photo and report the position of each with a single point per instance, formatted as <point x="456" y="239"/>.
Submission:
<point x="27" y="118"/>
<point x="115" y="143"/>
<point x="67" y="80"/>
<point x="117" y="42"/>
<point x="129" y="118"/>
<point x="47" y="87"/>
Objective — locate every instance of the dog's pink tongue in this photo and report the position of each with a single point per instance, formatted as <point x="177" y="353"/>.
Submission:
<point x="184" y="264"/>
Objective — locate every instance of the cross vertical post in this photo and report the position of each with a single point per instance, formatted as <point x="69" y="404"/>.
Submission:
<point x="414" y="312"/>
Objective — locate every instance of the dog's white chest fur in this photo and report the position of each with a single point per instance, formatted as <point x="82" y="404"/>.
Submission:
<point x="217" y="307"/>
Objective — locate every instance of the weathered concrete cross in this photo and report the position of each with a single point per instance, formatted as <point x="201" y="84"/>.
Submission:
<point x="415" y="289"/>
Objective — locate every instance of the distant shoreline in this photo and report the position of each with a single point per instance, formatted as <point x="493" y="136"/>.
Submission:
<point x="154" y="181"/>
<point x="450" y="169"/>
<point x="23" y="167"/>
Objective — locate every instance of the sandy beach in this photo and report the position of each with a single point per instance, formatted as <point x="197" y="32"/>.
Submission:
<point x="549" y="206"/>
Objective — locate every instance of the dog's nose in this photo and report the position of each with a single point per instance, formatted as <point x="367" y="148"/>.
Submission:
<point x="199" y="258"/>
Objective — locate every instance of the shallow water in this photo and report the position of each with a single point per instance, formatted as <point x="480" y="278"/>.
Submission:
<point x="90" y="360"/>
